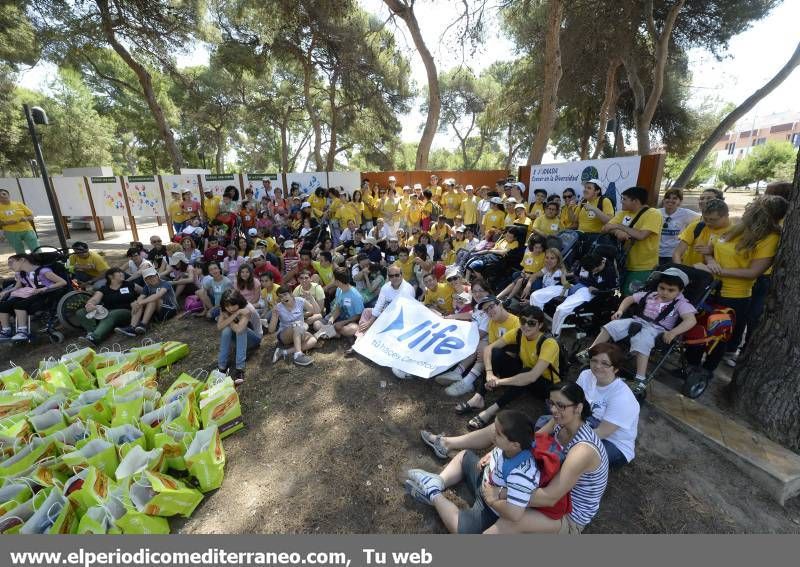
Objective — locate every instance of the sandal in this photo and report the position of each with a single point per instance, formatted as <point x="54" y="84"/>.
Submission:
<point x="463" y="408"/>
<point x="476" y="423"/>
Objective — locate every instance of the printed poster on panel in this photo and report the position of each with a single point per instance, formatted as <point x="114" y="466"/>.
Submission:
<point x="109" y="201"/>
<point x="144" y="196"/>
<point x="72" y="196"/>
<point x="615" y="174"/>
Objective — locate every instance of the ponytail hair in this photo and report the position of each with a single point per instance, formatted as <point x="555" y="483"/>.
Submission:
<point x="574" y="393"/>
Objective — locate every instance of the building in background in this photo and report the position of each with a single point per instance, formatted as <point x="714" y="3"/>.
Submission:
<point x="754" y="131"/>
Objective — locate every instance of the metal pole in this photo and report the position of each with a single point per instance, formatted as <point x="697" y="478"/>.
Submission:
<point x="48" y="188"/>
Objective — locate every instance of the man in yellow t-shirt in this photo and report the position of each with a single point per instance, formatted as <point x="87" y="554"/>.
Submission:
<point x="175" y="211"/>
<point x="595" y="210"/>
<point x="435" y="188"/>
<point x="210" y="205"/>
<point x="696" y="240"/>
<point x="438" y="296"/>
<point x="451" y="201"/>
<point x="16" y="222"/>
<point x="86" y="266"/>
<point x="469" y="207"/>
<point x="548" y="224"/>
<point x="405" y="263"/>
<point x="638" y="227"/>
<point x="494" y="217"/>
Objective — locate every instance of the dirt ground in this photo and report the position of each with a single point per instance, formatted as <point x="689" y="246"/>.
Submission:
<point x="325" y="448"/>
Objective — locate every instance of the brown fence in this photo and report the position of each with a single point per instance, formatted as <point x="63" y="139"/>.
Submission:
<point x="473" y="177"/>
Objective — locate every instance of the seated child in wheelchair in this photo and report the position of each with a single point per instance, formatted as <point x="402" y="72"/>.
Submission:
<point x="663" y="313"/>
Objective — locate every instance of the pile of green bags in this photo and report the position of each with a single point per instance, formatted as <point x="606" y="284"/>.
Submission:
<point x="89" y="445"/>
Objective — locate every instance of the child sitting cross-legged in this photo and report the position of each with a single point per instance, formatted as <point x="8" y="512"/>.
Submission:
<point x="510" y="467"/>
<point x="664" y="312"/>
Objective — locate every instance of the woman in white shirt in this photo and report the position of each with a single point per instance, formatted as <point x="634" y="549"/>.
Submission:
<point x="676" y="219"/>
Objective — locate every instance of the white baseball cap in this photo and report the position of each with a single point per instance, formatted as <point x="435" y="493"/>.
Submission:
<point x="288" y="244"/>
<point x="305" y="205"/>
<point x="392" y="178"/>
<point x="596" y="182"/>
<point x="252" y="232"/>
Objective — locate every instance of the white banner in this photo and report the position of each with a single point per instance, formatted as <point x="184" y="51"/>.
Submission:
<point x="144" y="196"/>
<point x="35" y="196"/>
<point x="616" y="175"/>
<point x="10" y="185"/>
<point x="255" y="181"/>
<point x="72" y="196"/>
<point x="349" y="180"/>
<point x="308" y="181"/>
<point x="218" y="183"/>
<point x="414" y="339"/>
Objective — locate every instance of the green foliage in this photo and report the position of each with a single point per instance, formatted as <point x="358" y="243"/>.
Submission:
<point x="771" y="161"/>
<point x="735" y="173"/>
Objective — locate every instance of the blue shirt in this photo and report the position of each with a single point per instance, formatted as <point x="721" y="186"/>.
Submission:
<point x="349" y="302"/>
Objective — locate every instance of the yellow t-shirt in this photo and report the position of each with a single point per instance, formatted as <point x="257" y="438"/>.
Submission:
<point x="440" y="230"/>
<point x="175" y="211"/>
<point x="436" y="192"/>
<point x="94" y="264"/>
<point x="270" y="297"/>
<point x="469" y="209"/>
<point x="211" y="206"/>
<point x="449" y="258"/>
<point x="505" y="245"/>
<point x="451" y="204"/>
<point x="532" y="263"/>
<point x="528" y="356"/>
<point x="525" y="221"/>
<point x="414" y="214"/>
<point x="567" y="214"/>
<point x="547" y="226"/>
<point x="325" y="274"/>
<point x="643" y="254"/>
<point x="12" y="214"/>
<point x="346" y="212"/>
<point x="407" y="267"/>
<point x="366" y="206"/>
<point x="317" y="205"/>
<point x="493" y="219"/>
<point x="537" y="210"/>
<point x="588" y="221"/>
<point x="359" y="210"/>
<point x="459" y="244"/>
<point x="389" y="207"/>
<point x="707" y="235"/>
<point x="727" y="256"/>
<point x="497" y="330"/>
<point x="440" y="298"/>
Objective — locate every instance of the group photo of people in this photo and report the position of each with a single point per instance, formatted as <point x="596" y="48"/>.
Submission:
<point x="576" y="296"/>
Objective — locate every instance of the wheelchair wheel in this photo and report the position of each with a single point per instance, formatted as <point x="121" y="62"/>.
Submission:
<point x="68" y="307"/>
<point x="56" y="337"/>
<point x="695" y="384"/>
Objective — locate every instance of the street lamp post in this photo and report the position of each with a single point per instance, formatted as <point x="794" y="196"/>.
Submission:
<point x="37" y="115"/>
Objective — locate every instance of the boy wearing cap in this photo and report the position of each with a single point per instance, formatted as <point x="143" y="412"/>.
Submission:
<point x="665" y="312"/>
<point x="595" y="210"/>
<point x="16" y="221"/>
<point x="494" y="217"/>
<point x="88" y="267"/>
<point x="157" y="302"/>
<point x="469" y="207"/>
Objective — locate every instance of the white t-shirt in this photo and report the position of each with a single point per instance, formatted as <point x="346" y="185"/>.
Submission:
<point x="617" y="405"/>
<point x="389" y="294"/>
<point x="551" y="279"/>
<point x="673" y="225"/>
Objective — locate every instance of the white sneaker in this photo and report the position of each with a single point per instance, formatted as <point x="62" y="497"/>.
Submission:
<point x="279" y="353"/>
<point x="21" y="336"/>
<point x="449" y="377"/>
<point x="402" y="375"/>
<point x="458" y="388"/>
<point x="731" y="358"/>
<point x="302" y="359"/>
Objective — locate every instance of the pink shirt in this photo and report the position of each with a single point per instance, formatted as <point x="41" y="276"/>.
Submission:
<point x="653" y="307"/>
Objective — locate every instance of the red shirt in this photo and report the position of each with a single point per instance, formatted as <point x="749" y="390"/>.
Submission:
<point x="268" y="267"/>
<point x="214" y="253"/>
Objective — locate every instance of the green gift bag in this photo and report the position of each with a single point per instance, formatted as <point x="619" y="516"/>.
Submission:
<point x="181" y="382"/>
<point x="82" y="378"/>
<point x="13" y="378"/>
<point x="56" y="376"/>
<point x="137" y="460"/>
<point x="83" y="356"/>
<point x="173" y="352"/>
<point x="135" y="522"/>
<point x="56" y="515"/>
<point x="125" y="437"/>
<point x="15" y="403"/>
<point x="140" y="377"/>
<point x="174" y="444"/>
<point x="15" y="431"/>
<point x="205" y="458"/>
<point x="11" y="522"/>
<point x="107" y="358"/>
<point x="97" y="452"/>
<point x="87" y="488"/>
<point x="150" y="353"/>
<point x="157" y="494"/>
<point x="92" y="405"/>
<point x="180" y="414"/>
<point x="102" y="519"/>
<point x="109" y="373"/>
<point x="36" y="450"/>
<point x="13" y="494"/>
<point x="74" y="436"/>
<point x="48" y="422"/>
<point x="219" y="405"/>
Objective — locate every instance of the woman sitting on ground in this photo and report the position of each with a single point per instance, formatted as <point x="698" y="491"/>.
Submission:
<point x="615" y="411"/>
<point x="184" y="276"/>
<point x="32" y="286"/>
<point x="288" y="318"/>
<point x="583" y="474"/>
<point x="109" y="307"/>
<point x="520" y="359"/>
<point x="241" y="329"/>
<point x="247" y="284"/>
<point x="214" y="285"/>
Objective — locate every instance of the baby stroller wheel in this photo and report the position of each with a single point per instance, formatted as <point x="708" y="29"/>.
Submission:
<point x="56" y="337"/>
<point x="695" y="384"/>
<point x="68" y="307"/>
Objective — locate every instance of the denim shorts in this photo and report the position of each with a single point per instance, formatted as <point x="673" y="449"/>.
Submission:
<point x="479" y="517"/>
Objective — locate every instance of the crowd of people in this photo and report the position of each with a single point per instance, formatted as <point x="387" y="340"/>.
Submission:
<point x="323" y="266"/>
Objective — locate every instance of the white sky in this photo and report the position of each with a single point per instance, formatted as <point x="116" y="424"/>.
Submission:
<point x="752" y="58"/>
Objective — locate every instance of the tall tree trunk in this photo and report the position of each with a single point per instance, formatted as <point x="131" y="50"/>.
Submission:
<point x="406" y="13"/>
<point x="645" y="105"/>
<point x="731" y="119"/>
<point x="334" y="134"/>
<point x="146" y="81"/>
<point x="284" y="145"/>
<point x="313" y="115"/>
<point x="219" y="161"/>
<point x="552" y="76"/>
<point x="766" y="384"/>
<point x="609" y="104"/>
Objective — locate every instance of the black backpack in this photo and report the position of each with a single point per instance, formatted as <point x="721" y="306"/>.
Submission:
<point x="52" y="260"/>
<point x="563" y="361"/>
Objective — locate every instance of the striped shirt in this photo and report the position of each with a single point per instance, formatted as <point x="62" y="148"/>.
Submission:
<point x="520" y="481"/>
<point x="589" y="489"/>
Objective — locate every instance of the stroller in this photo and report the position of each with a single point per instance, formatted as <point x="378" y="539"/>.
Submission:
<point x="498" y="270"/>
